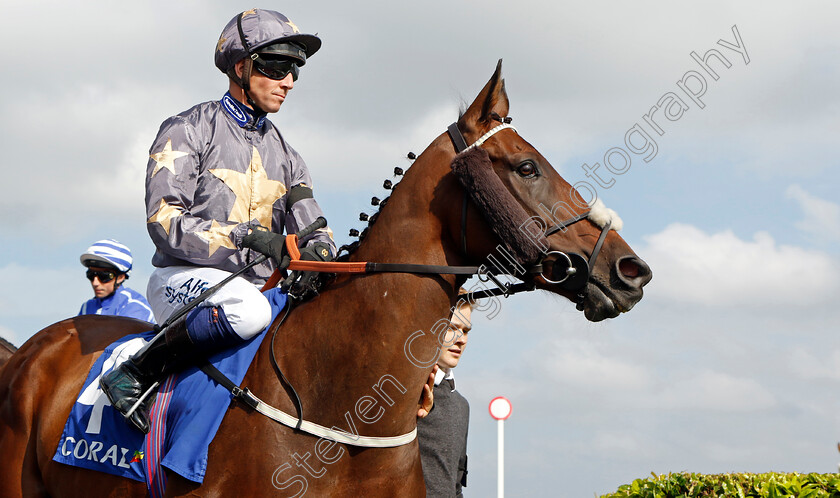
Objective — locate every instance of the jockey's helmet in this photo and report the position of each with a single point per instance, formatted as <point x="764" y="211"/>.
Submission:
<point x="261" y="32"/>
<point x="108" y="254"/>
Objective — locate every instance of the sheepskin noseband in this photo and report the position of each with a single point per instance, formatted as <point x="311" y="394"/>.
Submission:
<point x="504" y="214"/>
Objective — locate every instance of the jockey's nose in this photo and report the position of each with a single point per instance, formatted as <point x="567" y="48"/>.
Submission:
<point x="633" y="271"/>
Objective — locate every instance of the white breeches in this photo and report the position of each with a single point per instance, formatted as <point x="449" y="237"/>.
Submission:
<point x="172" y="287"/>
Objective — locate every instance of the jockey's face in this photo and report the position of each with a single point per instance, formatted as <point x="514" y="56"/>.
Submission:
<point x="105" y="289"/>
<point x="267" y="93"/>
<point x="455" y="340"/>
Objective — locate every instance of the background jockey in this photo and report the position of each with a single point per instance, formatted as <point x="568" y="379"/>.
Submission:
<point x="216" y="172"/>
<point x="108" y="264"/>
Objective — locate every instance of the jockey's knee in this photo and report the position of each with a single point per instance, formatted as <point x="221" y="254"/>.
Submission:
<point x="248" y="317"/>
<point x="247" y="312"/>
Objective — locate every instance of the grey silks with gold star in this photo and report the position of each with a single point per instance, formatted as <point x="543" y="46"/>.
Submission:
<point x="208" y="180"/>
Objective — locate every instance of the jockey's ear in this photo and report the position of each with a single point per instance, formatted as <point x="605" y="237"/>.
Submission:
<point x="238" y="68"/>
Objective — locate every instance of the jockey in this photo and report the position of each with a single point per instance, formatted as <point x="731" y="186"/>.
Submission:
<point x="222" y="184"/>
<point x="108" y="264"/>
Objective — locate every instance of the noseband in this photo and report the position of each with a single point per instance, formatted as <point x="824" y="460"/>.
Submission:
<point x="569" y="270"/>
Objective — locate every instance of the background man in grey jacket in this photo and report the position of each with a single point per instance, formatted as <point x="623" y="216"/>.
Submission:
<point x="442" y="434"/>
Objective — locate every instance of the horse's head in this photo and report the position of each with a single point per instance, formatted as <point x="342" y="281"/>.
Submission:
<point x="521" y="214"/>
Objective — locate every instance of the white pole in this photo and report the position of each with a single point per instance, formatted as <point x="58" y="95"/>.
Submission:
<point x="501" y="456"/>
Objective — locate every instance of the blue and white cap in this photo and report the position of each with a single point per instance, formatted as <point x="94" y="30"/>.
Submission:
<point x="109" y="253"/>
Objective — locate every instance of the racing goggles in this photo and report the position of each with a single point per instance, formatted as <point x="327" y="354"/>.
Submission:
<point x="103" y="276"/>
<point x="277" y="69"/>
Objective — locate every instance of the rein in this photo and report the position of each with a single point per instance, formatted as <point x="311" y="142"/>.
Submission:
<point x="364" y="267"/>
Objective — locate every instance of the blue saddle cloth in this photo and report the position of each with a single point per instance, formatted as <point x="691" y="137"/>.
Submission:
<point x="185" y="417"/>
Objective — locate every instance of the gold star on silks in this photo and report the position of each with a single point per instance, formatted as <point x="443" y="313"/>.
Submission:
<point x="252" y="11"/>
<point x="222" y="39"/>
<point x="218" y="236"/>
<point x="255" y="193"/>
<point x="166" y="158"/>
<point x="164" y="215"/>
<point x="292" y="25"/>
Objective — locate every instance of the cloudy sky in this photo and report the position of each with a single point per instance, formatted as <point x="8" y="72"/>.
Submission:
<point x="729" y="363"/>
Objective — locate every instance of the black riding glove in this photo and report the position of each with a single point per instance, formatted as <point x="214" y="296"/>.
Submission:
<point x="270" y="244"/>
<point x="303" y="285"/>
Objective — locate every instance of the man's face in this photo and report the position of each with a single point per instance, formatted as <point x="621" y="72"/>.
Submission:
<point x="267" y="93"/>
<point x="104" y="289"/>
<point x="456" y="339"/>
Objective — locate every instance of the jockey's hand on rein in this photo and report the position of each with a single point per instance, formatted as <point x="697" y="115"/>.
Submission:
<point x="304" y="285"/>
<point x="268" y="243"/>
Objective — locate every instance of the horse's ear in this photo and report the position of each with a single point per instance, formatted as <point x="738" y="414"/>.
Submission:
<point x="492" y="100"/>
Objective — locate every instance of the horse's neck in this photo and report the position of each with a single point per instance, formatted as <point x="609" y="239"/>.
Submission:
<point x="374" y="335"/>
<point x="409" y="230"/>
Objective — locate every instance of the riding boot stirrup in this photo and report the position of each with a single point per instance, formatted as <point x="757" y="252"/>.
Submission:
<point x="126" y="384"/>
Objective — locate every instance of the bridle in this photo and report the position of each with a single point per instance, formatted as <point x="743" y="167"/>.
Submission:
<point x="571" y="274"/>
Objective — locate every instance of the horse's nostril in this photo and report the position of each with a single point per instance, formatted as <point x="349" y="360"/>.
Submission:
<point x="633" y="271"/>
<point x="628" y="268"/>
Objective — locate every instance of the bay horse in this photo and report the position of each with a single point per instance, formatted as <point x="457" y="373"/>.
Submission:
<point x="358" y="355"/>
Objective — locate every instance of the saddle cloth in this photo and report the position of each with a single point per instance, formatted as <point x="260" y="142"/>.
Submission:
<point x="184" y="418"/>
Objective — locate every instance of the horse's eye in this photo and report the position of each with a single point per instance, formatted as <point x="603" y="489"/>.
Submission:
<point x="527" y="170"/>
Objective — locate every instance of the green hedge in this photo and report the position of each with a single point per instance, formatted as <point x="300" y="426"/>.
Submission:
<point x="769" y="485"/>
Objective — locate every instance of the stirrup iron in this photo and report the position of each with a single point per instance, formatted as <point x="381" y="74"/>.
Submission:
<point x="140" y="400"/>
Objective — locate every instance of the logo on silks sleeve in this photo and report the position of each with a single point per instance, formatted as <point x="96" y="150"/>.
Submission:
<point x="96" y="436"/>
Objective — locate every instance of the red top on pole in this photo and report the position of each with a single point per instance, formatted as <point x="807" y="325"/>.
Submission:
<point x="500" y="408"/>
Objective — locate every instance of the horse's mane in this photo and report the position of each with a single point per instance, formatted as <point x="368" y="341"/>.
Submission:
<point x="348" y="249"/>
<point x="8" y="345"/>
